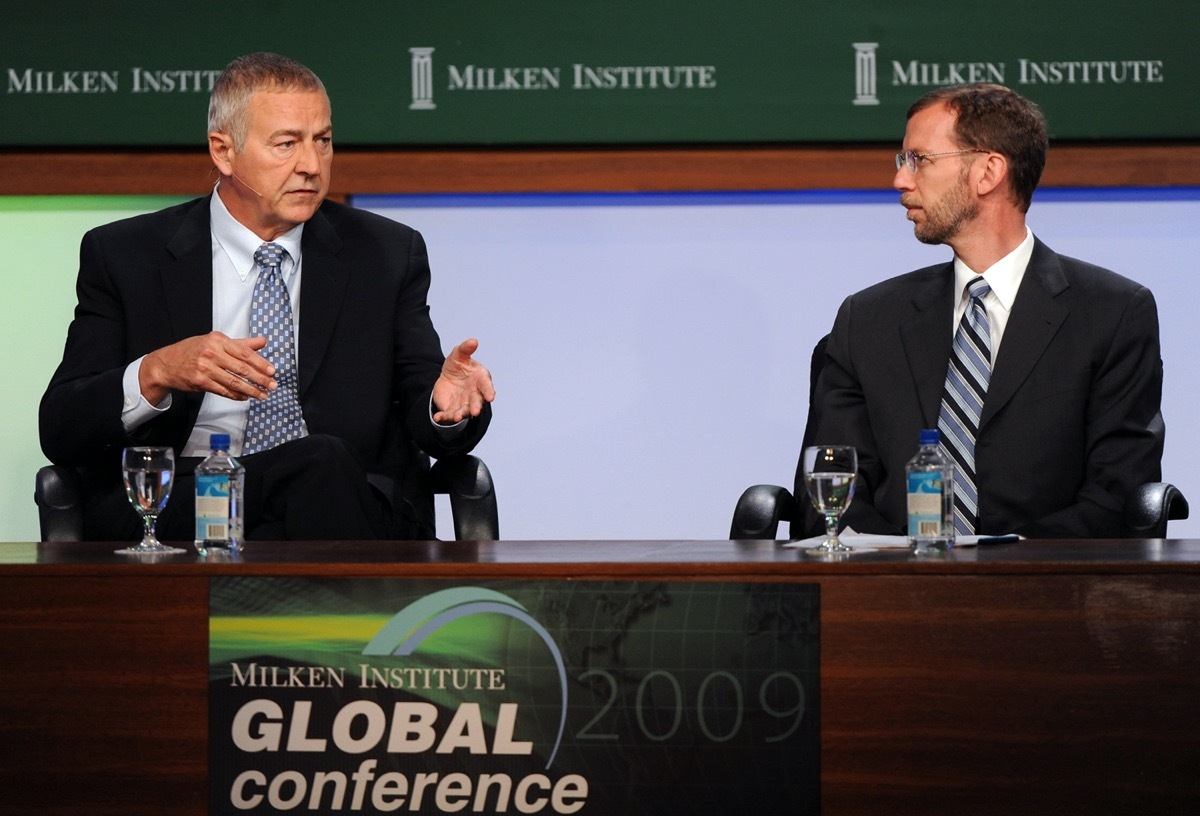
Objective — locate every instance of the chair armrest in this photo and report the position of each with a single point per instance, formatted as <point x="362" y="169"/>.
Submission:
<point x="57" y="491"/>
<point x="468" y="483"/>
<point x="1150" y="507"/>
<point x="759" y="511"/>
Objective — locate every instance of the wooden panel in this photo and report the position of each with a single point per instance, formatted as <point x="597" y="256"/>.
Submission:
<point x="1001" y="695"/>
<point x="512" y="170"/>
<point x="103" y="695"/>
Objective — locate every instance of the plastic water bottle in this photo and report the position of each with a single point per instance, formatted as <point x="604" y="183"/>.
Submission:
<point x="930" y="497"/>
<point x="220" y="482"/>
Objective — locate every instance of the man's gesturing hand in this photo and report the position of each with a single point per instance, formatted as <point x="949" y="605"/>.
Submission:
<point x="463" y="386"/>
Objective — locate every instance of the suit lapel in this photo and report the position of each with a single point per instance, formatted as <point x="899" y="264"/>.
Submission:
<point x="187" y="277"/>
<point x="325" y="277"/>
<point x="1036" y="318"/>
<point x="927" y="337"/>
<point x="187" y="283"/>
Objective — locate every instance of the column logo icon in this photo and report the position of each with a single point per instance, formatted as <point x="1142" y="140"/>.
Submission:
<point x="422" y="79"/>
<point x="864" y="74"/>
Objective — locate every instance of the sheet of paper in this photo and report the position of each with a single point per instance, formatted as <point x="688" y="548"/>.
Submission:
<point x="864" y="542"/>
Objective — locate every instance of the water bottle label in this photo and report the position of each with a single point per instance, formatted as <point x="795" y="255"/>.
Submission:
<point x="212" y="507"/>
<point x="924" y="504"/>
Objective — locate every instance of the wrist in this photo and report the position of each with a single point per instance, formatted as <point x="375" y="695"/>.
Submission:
<point x="149" y="383"/>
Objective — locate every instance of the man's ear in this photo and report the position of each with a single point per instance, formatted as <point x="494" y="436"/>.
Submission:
<point x="994" y="175"/>
<point x="220" y="149"/>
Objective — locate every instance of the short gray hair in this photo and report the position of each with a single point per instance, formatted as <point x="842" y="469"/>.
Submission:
<point x="229" y="105"/>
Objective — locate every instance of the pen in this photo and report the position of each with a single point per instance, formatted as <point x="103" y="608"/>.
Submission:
<point x="1004" y="539"/>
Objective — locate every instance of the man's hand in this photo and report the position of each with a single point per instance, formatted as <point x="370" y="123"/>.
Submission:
<point x="212" y="362"/>
<point x="463" y="386"/>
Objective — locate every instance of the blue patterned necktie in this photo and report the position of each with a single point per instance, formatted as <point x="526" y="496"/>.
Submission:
<point x="967" y="379"/>
<point x="278" y="418"/>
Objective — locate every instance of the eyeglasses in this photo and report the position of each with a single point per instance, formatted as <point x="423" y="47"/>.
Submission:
<point x="914" y="161"/>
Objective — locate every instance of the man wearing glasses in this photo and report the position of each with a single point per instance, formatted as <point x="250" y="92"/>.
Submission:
<point x="1047" y="394"/>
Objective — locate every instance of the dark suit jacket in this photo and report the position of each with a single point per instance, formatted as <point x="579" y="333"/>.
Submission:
<point x="369" y="354"/>
<point x="1064" y="435"/>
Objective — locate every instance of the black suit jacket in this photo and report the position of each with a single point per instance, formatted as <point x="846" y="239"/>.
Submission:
<point x="1064" y="434"/>
<point x="368" y="352"/>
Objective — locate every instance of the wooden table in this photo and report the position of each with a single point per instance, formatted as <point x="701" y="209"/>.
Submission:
<point x="1037" y="677"/>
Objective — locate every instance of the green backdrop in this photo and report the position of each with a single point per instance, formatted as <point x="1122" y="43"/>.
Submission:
<point x="597" y="71"/>
<point x="40" y="236"/>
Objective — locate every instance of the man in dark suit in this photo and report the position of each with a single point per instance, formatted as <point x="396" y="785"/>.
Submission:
<point x="1076" y="375"/>
<point x="160" y="352"/>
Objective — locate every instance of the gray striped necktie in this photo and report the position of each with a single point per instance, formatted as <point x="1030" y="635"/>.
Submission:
<point x="278" y="418"/>
<point x="967" y="379"/>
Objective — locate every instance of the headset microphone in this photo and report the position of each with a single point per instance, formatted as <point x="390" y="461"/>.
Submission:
<point x="247" y="186"/>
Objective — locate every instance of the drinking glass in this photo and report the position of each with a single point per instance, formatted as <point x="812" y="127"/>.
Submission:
<point x="148" y="474"/>
<point x="829" y="472"/>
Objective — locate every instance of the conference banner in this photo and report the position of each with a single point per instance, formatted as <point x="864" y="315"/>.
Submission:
<point x="551" y="72"/>
<point x="376" y="695"/>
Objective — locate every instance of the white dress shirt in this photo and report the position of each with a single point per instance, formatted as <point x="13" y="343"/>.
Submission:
<point x="1004" y="277"/>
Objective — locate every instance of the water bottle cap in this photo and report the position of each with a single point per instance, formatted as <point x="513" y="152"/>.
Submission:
<point x="219" y="441"/>
<point x="930" y="436"/>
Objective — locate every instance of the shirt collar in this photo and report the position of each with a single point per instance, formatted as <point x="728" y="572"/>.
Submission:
<point x="1004" y="276"/>
<point x="240" y="243"/>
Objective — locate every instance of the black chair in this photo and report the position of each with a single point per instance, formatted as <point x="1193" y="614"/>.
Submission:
<point x="761" y="508"/>
<point x="465" y="479"/>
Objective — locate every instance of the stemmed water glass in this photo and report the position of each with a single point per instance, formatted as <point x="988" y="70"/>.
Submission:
<point x="148" y="474"/>
<point x="829" y="472"/>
